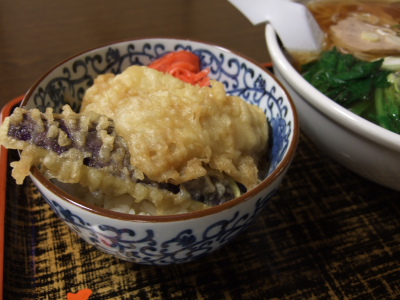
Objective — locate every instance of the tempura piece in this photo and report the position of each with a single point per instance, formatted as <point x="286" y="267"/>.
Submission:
<point x="175" y="130"/>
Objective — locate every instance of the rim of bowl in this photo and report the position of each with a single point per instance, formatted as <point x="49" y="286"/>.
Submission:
<point x="282" y="166"/>
<point x="327" y="106"/>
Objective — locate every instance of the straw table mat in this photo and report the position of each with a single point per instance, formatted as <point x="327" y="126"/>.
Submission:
<point x="327" y="234"/>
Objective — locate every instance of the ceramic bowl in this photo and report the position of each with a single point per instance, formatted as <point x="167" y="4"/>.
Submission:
<point x="363" y="147"/>
<point x="162" y="240"/>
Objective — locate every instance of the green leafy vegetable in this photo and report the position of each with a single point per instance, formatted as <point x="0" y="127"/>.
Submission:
<point x="344" y="78"/>
<point x="369" y="89"/>
<point x="387" y="102"/>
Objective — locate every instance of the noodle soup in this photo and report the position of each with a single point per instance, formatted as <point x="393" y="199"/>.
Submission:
<point x="356" y="143"/>
<point x="359" y="67"/>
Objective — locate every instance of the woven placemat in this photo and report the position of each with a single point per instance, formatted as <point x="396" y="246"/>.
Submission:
<point x="327" y="234"/>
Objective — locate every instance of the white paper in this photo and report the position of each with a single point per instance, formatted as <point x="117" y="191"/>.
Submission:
<point x="293" y="22"/>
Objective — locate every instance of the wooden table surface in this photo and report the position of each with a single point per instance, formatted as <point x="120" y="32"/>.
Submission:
<point x="327" y="234"/>
<point x="36" y="35"/>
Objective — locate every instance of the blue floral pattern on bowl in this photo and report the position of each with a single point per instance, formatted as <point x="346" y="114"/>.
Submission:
<point x="66" y="84"/>
<point x="129" y="245"/>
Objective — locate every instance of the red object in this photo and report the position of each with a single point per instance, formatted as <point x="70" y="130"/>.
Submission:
<point x="184" y="65"/>
<point x="5" y="112"/>
<point x="81" y="295"/>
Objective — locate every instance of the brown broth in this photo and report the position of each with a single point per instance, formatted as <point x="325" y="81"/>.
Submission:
<point x="329" y="12"/>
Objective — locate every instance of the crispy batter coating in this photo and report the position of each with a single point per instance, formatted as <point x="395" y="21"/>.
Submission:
<point x="83" y="148"/>
<point x="174" y="130"/>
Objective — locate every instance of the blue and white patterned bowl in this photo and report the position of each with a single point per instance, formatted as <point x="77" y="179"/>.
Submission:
<point x="162" y="240"/>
